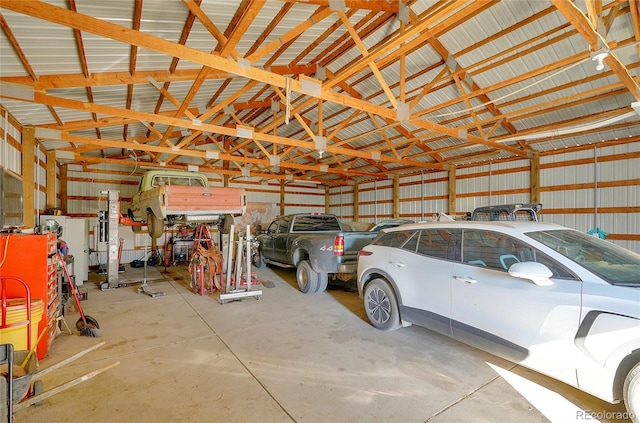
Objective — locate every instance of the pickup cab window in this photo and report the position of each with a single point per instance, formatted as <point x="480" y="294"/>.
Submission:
<point x="183" y="181"/>
<point x="315" y="223"/>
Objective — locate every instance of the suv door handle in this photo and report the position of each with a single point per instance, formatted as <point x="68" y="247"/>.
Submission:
<point x="466" y="279"/>
<point x="396" y="263"/>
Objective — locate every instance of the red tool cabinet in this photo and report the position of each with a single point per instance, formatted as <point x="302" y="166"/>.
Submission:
<point x="31" y="258"/>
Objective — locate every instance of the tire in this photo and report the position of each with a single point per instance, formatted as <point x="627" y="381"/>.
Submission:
<point x="257" y="260"/>
<point x="381" y="306"/>
<point x="307" y="277"/>
<point x="155" y="225"/>
<point x="631" y="393"/>
<point x="197" y="277"/>
<point x="323" y="282"/>
<point x="225" y="224"/>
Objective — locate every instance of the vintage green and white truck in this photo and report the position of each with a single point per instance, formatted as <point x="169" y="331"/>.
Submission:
<point x="176" y="196"/>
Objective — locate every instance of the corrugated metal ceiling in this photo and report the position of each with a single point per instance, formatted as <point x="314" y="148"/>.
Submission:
<point x="456" y="84"/>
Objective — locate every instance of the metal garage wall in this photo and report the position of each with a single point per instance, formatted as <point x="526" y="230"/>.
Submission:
<point x="375" y="199"/>
<point x="342" y="201"/>
<point x="491" y="184"/>
<point x="423" y="195"/>
<point x="585" y="190"/>
<point x="10" y="156"/>
<point x="600" y="189"/>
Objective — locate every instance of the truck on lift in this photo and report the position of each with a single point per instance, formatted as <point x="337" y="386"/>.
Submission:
<point x="177" y="196"/>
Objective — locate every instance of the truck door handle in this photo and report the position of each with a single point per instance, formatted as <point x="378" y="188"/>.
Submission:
<point x="466" y="279"/>
<point x="396" y="263"/>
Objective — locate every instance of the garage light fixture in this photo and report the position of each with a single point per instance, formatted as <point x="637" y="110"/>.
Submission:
<point x="599" y="57"/>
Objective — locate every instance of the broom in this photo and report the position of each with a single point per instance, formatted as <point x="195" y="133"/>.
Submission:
<point x="86" y="325"/>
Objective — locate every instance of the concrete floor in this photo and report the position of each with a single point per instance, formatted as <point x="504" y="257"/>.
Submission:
<point x="288" y="357"/>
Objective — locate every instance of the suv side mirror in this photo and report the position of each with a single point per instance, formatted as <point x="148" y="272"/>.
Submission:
<point x="537" y="273"/>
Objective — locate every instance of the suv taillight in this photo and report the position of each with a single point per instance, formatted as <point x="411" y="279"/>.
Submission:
<point x="364" y="253"/>
<point x="338" y="246"/>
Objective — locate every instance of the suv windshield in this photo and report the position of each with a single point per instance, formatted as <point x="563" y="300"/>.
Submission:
<point x="614" y="264"/>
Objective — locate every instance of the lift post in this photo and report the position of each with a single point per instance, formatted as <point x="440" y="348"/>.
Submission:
<point x="233" y="290"/>
<point x="112" y="223"/>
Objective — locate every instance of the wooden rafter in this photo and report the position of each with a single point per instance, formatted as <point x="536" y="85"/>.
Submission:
<point x="456" y="116"/>
<point x="597" y="43"/>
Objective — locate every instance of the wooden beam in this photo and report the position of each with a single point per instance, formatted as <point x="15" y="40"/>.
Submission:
<point x="290" y="35"/>
<point x="396" y="197"/>
<point x="16" y="46"/>
<point x="534" y="178"/>
<point x="452" y="191"/>
<point x="363" y="50"/>
<point x="634" y="10"/>
<point x="356" y="202"/>
<point x="64" y="169"/>
<point x="102" y="79"/>
<point x="282" y="197"/>
<point x="29" y="187"/>
<point x="391" y="6"/>
<point x="597" y="42"/>
<point x="51" y="179"/>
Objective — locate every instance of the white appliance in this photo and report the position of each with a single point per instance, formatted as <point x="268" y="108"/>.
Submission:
<point x="75" y="233"/>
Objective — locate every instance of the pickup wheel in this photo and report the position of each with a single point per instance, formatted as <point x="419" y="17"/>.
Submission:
<point x="307" y="277"/>
<point x="225" y="224"/>
<point x="323" y="282"/>
<point x="257" y="260"/>
<point x="155" y="225"/>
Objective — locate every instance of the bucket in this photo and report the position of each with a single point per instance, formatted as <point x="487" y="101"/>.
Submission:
<point x="17" y="314"/>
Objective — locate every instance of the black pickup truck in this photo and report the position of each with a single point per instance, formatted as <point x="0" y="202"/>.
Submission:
<point x="316" y="244"/>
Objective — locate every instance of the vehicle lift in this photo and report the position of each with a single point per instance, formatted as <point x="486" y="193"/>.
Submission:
<point x="108" y="231"/>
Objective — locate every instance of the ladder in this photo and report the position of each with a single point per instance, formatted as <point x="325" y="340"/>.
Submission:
<point x="205" y="264"/>
<point x="202" y="236"/>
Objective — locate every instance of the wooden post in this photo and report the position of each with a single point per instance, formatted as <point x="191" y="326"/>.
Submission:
<point x="29" y="188"/>
<point x="63" y="189"/>
<point x="51" y="179"/>
<point x="535" y="177"/>
<point x="282" y="196"/>
<point x="396" y="200"/>
<point x="356" y="202"/>
<point x="452" y="191"/>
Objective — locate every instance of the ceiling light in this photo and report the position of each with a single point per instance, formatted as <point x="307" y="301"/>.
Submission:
<point x="599" y="59"/>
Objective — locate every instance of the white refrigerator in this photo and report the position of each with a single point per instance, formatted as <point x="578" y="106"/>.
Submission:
<point x="75" y="233"/>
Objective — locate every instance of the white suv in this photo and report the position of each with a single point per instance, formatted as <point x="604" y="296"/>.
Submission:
<point x="553" y="299"/>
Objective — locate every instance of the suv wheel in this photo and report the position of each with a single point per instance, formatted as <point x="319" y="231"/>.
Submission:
<point x="631" y="393"/>
<point x="381" y="305"/>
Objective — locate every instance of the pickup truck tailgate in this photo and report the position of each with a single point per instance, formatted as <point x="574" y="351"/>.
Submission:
<point x="179" y="199"/>
<point x="354" y="241"/>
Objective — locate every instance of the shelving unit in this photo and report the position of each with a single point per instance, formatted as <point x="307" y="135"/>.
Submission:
<point x="31" y="258"/>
